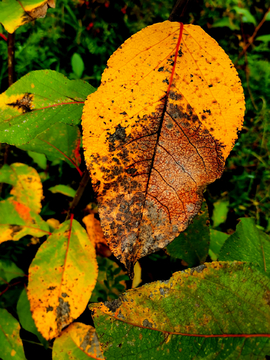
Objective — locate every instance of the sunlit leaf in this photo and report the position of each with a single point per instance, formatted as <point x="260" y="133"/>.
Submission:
<point x="246" y="16"/>
<point x="215" y="311"/>
<point x="77" y="342"/>
<point x="248" y="243"/>
<point x="16" y="13"/>
<point x="36" y="102"/>
<point x="192" y="245"/>
<point x="18" y="220"/>
<point x="157" y="131"/>
<point x="25" y="317"/>
<point x="59" y="142"/>
<point x="63" y="189"/>
<point x="77" y="65"/>
<point x="27" y="186"/>
<point x="9" y="271"/>
<point x="61" y="279"/>
<point x="10" y="341"/>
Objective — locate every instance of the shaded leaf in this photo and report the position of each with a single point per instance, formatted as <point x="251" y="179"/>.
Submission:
<point x="192" y="245"/>
<point x="217" y="239"/>
<point x="27" y="186"/>
<point x="110" y="282"/>
<point x="11" y="343"/>
<point x="157" y="131"/>
<point x="9" y="271"/>
<point x="63" y="189"/>
<point x="18" y="220"/>
<point x="36" y="102"/>
<point x="248" y="243"/>
<point x="59" y="142"/>
<point x="77" y="342"/>
<point x="61" y="279"/>
<point x="226" y="21"/>
<point x="220" y="212"/>
<point x="25" y="317"/>
<point x="16" y="13"/>
<point x="77" y="65"/>
<point x="246" y="16"/>
<point x="39" y="159"/>
<point x="201" y="313"/>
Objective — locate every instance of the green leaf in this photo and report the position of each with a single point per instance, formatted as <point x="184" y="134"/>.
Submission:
<point x="220" y="212"/>
<point x="267" y="16"/>
<point x="9" y="271"/>
<point x="78" y="341"/>
<point x="10" y="341"/>
<point x="39" y="159"/>
<point x="60" y="142"/>
<point x="63" y="189"/>
<point x="77" y="65"/>
<point x="225" y="21"/>
<point x="247" y="17"/>
<point x="248" y="243"/>
<point x="264" y="38"/>
<point x="25" y="317"/>
<point x="110" y="282"/>
<point x="16" y="13"/>
<point x="192" y="245"/>
<point x="38" y="101"/>
<point x="225" y="304"/>
<point x="217" y="239"/>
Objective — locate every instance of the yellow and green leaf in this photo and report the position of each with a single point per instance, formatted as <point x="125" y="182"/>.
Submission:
<point x="62" y="277"/>
<point x="77" y="342"/>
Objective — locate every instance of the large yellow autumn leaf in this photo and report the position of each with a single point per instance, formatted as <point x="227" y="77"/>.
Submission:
<point x="157" y="131"/>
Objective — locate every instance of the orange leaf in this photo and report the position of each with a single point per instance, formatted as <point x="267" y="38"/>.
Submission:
<point x="96" y="235"/>
<point x="157" y="131"/>
<point x="61" y="279"/>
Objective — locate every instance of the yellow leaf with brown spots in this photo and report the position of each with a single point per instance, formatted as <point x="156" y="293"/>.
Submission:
<point x="27" y="186"/>
<point x="157" y="131"/>
<point x="16" y="13"/>
<point x="77" y="342"/>
<point x="61" y="278"/>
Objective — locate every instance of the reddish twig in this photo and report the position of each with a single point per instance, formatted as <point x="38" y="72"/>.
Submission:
<point x="251" y="39"/>
<point x="3" y="37"/>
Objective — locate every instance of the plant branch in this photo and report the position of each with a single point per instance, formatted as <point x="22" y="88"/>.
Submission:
<point x="84" y="182"/>
<point x="180" y="11"/>
<point x="251" y="39"/>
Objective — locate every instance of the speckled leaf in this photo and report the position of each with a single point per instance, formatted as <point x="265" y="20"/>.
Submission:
<point x="248" y="243"/>
<point x="36" y="102"/>
<point x="61" y="279"/>
<point x="77" y="342"/>
<point x="10" y="341"/>
<point x="157" y="132"/>
<point x="18" y="220"/>
<point x="27" y="186"/>
<point x="16" y="13"/>
<point x="25" y="317"/>
<point x="215" y="311"/>
<point x="9" y="271"/>
<point x="192" y="245"/>
<point x="60" y="142"/>
<point x="63" y="189"/>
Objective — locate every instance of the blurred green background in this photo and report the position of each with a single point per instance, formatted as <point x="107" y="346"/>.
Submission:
<point x="77" y="38"/>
